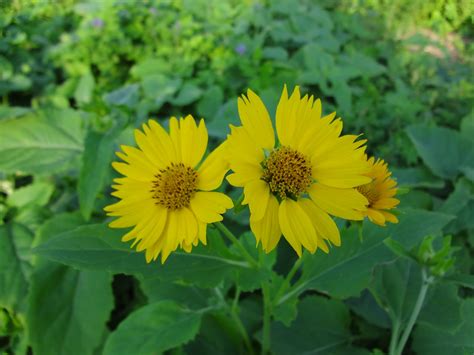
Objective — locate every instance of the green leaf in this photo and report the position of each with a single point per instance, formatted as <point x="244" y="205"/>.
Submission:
<point x="188" y="94"/>
<point x="464" y="280"/>
<point x="218" y="335"/>
<point x="428" y="340"/>
<point x="210" y="102"/>
<point x="154" y="329"/>
<point x="75" y="306"/>
<point x="95" y="164"/>
<point x="124" y="96"/>
<point x="435" y="142"/>
<point x="38" y="193"/>
<point x="417" y="177"/>
<point x="84" y="89"/>
<point x="328" y="272"/>
<point x="442" y="308"/>
<point x="98" y="247"/>
<point x="250" y="279"/>
<point x="366" y="307"/>
<point x="15" y="241"/>
<point x="186" y="295"/>
<point x="40" y="143"/>
<point x="322" y="326"/>
<point x="10" y="112"/>
<point x="461" y="204"/>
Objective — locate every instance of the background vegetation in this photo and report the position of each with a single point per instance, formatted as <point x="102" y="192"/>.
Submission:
<point x="77" y="77"/>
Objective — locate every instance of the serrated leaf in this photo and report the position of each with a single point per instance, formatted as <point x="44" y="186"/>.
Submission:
<point x="98" y="247"/>
<point x="40" y="143"/>
<point x="154" y="329"/>
<point x="435" y="142"/>
<point x="210" y="103"/>
<point x="322" y="326"/>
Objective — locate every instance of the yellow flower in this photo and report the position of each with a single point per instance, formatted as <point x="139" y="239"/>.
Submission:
<point x="165" y="195"/>
<point x="291" y="186"/>
<point x="380" y="192"/>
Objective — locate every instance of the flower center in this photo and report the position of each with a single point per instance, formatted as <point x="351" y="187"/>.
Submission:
<point x="287" y="172"/>
<point x="174" y="186"/>
<point x="369" y="191"/>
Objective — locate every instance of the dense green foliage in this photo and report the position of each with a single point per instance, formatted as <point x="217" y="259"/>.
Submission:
<point x="77" y="77"/>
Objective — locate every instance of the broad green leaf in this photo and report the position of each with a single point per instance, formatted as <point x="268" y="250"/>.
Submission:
<point x="443" y="150"/>
<point x="187" y="95"/>
<point x="250" y="279"/>
<point x="95" y="164"/>
<point x="417" y="177"/>
<point x="218" y="335"/>
<point x="10" y="112"/>
<point x="322" y="326"/>
<point x="186" y="295"/>
<point x="210" y="103"/>
<point x="154" y="329"/>
<point x="98" y="247"/>
<point x="431" y="341"/>
<point x="75" y="304"/>
<point x="38" y="193"/>
<point x="464" y="280"/>
<point x="68" y="309"/>
<point x="442" y="308"/>
<point x="461" y="204"/>
<point x="124" y="96"/>
<point x="366" y="306"/>
<point x="225" y="116"/>
<point x="395" y="286"/>
<point x="40" y="143"/>
<point x="329" y="272"/>
<point x="15" y="241"/>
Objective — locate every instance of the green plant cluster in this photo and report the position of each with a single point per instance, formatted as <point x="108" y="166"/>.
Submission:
<point x="77" y="77"/>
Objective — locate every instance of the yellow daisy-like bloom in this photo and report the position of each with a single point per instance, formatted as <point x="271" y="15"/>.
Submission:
<point x="380" y="193"/>
<point x="292" y="186"/>
<point x="165" y="194"/>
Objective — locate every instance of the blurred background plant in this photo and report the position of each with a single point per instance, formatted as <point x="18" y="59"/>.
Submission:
<point x="77" y="77"/>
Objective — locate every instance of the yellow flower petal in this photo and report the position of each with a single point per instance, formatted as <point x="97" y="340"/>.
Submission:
<point x="344" y="203"/>
<point x="256" y="120"/>
<point x="208" y="206"/>
<point x="296" y="226"/>
<point x="267" y="230"/>
<point x="323" y="224"/>
<point x="212" y="171"/>
<point x="256" y="195"/>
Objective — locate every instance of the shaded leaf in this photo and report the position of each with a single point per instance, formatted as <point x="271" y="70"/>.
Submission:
<point x="98" y="247"/>
<point x="154" y="329"/>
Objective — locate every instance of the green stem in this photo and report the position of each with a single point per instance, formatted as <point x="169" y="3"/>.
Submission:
<point x="238" y="322"/>
<point x="416" y="311"/>
<point x="229" y="235"/>
<point x="394" y="337"/>
<point x="266" y="319"/>
<point x="284" y="286"/>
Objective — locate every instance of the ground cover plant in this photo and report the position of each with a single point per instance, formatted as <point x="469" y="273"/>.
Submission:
<point x="289" y="262"/>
